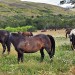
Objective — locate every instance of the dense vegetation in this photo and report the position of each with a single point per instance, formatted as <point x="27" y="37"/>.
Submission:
<point x="40" y="22"/>
<point x="38" y="16"/>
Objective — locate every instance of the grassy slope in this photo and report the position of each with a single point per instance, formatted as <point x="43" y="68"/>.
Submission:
<point x="14" y="7"/>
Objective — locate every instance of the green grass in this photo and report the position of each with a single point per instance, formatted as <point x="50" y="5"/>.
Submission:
<point x="63" y="60"/>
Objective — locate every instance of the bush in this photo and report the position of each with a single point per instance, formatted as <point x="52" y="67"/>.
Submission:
<point x="11" y="29"/>
<point x="24" y="28"/>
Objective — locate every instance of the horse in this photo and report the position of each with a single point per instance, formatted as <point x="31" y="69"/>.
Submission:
<point x="72" y="32"/>
<point x="33" y="44"/>
<point x="26" y="33"/>
<point x="44" y="30"/>
<point x="68" y="31"/>
<point x="72" y="38"/>
<point x="73" y="41"/>
<point x="4" y="40"/>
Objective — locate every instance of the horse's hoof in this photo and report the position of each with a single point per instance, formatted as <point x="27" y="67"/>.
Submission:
<point x="51" y="60"/>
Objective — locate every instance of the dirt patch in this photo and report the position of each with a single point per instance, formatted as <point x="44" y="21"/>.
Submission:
<point x="57" y="33"/>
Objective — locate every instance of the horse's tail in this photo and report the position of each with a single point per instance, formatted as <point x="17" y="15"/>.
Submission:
<point x="66" y="34"/>
<point x="52" y="45"/>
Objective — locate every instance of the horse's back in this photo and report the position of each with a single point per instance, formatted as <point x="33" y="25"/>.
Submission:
<point x="42" y="39"/>
<point x="39" y="37"/>
<point x="27" y="33"/>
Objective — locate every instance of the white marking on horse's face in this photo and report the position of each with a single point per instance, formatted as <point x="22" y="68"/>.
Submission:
<point x="72" y="32"/>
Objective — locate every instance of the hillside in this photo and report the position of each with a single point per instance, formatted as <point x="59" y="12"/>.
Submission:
<point x="15" y="13"/>
<point x="10" y="8"/>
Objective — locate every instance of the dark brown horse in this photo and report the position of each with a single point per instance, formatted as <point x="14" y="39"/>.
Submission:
<point x="26" y="33"/>
<point x="33" y="44"/>
<point x="4" y="40"/>
<point x="68" y="30"/>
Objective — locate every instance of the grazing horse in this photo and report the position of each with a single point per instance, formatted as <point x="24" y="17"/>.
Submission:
<point x="26" y="33"/>
<point x="4" y="40"/>
<point x="72" y="38"/>
<point x="43" y="30"/>
<point x="68" y="31"/>
<point x="33" y="44"/>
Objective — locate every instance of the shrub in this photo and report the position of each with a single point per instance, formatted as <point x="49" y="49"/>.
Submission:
<point x="24" y="28"/>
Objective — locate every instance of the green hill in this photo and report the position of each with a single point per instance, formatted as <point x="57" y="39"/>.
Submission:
<point x="10" y="8"/>
<point x="15" y="13"/>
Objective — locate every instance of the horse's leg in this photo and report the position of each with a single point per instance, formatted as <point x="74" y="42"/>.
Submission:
<point x="8" y="46"/>
<point x="72" y="47"/>
<point x="4" y="47"/>
<point x="49" y="52"/>
<point x="20" y="57"/>
<point x="42" y="54"/>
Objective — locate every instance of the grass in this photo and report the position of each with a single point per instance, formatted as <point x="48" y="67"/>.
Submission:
<point x="63" y="61"/>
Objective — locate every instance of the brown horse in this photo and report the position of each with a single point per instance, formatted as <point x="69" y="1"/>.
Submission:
<point x="33" y="44"/>
<point x="4" y="40"/>
<point x="43" y="30"/>
<point x="26" y="33"/>
<point x="68" y="31"/>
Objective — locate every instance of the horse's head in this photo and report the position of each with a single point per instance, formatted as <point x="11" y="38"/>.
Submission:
<point x="72" y="32"/>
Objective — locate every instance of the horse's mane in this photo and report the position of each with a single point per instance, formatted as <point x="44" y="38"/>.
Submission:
<point x="15" y="34"/>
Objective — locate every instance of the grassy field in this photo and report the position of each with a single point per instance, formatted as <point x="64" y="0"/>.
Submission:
<point x="63" y="61"/>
